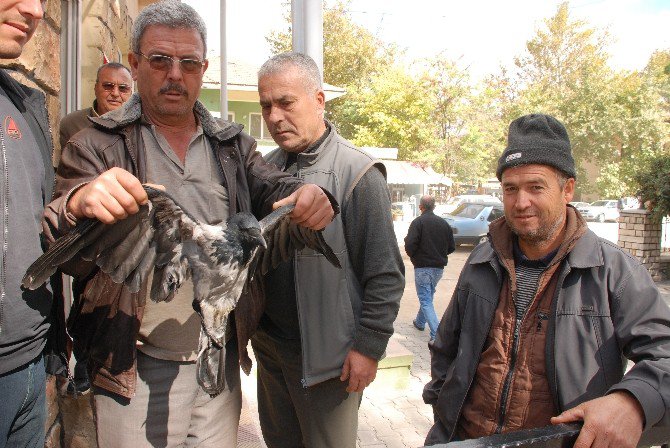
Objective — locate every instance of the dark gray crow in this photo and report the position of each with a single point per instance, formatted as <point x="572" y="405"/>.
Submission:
<point x="164" y="237"/>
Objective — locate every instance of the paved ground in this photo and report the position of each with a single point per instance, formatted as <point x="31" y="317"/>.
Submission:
<point x="395" y="418"/>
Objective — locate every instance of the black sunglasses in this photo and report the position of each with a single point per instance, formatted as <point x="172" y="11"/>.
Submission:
<point x="109" y="87"/>
<point x="164" y="63"/>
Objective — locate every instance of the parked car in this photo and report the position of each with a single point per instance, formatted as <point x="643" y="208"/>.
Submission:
<point x="470" y="221"/>
<point x="456" y="201"/>
<point x="628" y="202"/>
<point x="577" y="204"/>
<point x="601" y="211"/>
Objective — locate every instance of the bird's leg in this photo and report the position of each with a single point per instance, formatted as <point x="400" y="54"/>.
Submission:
<point x="210" y="365"/>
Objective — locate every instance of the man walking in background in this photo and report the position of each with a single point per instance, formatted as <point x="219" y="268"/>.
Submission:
<point x="428" y="243"/>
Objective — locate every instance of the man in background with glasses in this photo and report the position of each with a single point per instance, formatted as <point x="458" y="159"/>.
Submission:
<point x="142" y="354"/>
<point x="113" y="87"/>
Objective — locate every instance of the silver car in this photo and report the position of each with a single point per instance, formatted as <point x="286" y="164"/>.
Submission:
<point x="470" y="221"/>
<point x="601" y="211"/>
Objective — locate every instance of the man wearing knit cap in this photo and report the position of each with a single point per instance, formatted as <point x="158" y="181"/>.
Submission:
<point x="545" y="315"/>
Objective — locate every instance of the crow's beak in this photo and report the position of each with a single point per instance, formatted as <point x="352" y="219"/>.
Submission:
<point x="257" y="237"/>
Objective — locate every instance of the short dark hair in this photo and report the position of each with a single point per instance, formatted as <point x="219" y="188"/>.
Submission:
<point x="112" y="65"/>
<point x="427" y="202"/>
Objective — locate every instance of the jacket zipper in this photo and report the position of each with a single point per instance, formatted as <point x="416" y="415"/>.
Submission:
<point x="509" y="376"/>
<point x="303" y="380"/>
<point x="5" y="230"/>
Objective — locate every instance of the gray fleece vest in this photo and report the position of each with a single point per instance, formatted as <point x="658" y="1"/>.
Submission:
<point x="329" y="299"/>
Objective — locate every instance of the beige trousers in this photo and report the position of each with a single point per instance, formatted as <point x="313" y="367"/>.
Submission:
<point x="168" y="410"/>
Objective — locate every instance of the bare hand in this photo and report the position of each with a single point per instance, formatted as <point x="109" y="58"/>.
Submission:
<point x="359" y="369"/>
<point x="614" y="421"/>
<point x="111" y="196"/>
<point x="312" y="207"/>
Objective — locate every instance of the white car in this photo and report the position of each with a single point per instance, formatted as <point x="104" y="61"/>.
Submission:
<point x="601" y="211"/>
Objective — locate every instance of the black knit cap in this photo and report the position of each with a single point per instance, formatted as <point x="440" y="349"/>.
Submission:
<point x="537" y="139"/>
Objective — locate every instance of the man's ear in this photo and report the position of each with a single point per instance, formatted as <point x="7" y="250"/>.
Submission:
<point x="321" y="100"/>
<point x="569" y="190"/>
<point x="133" y="61"/>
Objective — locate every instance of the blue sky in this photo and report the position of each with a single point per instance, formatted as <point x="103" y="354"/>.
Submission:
<point x="480" y="34"/>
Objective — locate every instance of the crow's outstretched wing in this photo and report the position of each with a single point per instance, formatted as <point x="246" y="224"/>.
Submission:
<point x="91" y="240"/>
<point x="126" y="250"/>
<point x="283" y="238"/>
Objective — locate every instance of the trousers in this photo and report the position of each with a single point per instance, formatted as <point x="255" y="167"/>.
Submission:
<point x="321" y="416"/>
<point x="23" y="406"/>
<point x="426" y="280"/>
<point x="169" y="409"/>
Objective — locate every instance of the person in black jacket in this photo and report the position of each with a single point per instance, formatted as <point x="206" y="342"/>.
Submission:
<point x="27" y="172"/>
<point x="428" y="243"/>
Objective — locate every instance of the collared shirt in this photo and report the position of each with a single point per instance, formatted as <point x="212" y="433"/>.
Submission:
<point x="170" y="330"/>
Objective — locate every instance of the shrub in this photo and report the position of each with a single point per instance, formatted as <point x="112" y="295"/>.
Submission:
<point x="654" y="186"/>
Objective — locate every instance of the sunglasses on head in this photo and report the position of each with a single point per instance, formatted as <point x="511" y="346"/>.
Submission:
<point x="164" y="63"/>
<point x="109" y="87"/>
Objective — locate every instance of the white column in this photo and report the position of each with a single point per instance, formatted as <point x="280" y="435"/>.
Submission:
<point x="307" y="26"/>
<point x="223" y="96"/>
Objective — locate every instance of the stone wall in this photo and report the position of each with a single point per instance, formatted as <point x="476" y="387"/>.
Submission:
<point x="641" y="237"/>
<point x="106" y="31"/>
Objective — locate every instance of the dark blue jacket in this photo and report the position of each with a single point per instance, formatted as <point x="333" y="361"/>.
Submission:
<point x="429" y="241"/>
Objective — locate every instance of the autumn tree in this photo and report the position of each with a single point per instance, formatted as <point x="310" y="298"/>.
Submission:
<point x="391" y="110"/>
<point x="657" y="75"/>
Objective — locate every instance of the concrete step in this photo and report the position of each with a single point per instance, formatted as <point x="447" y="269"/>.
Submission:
<point x="393" y="370"/>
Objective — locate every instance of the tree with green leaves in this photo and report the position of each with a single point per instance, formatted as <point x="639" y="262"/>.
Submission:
<point x="391" y="110"/>
<point x="657" y="75"/>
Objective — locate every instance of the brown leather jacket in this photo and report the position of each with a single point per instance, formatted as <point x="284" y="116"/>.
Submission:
<point x="107" y="316"/>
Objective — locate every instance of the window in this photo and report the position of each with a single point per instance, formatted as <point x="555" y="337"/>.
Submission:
<point x="468" y="210"/>
<point x="495" y="214"/>
<point x="257" y="127"/>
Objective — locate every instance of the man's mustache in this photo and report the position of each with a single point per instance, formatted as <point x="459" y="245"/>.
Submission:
<point x="173" y="88"/>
